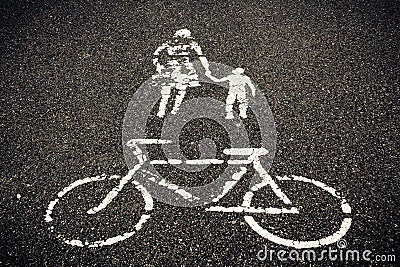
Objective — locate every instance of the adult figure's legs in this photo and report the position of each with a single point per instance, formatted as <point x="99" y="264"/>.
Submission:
<point x="179" y="97"/>
<point x="243" y="103"/>
<point x="230" y="100"/>
<point x="165" y="95"/>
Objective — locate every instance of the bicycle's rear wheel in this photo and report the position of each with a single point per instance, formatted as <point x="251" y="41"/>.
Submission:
<point x="93" y="242"/>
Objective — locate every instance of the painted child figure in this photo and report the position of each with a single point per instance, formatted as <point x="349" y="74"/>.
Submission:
<point x="237" y="91"/>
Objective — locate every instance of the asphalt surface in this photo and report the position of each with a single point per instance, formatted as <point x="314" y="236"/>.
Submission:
<point x="329" y="70"/>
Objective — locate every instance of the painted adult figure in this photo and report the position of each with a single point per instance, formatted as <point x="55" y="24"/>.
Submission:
<point x="174" y="61"/>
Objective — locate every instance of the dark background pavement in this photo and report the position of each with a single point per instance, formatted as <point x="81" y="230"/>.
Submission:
<point x="330" y="71"/>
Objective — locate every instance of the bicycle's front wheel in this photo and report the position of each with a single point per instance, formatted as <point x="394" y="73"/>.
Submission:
<point x="333" y="236"/>
<point x="78" y="187"/>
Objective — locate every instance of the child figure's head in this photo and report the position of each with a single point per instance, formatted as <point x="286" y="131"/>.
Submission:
<point x="238" y="71"/>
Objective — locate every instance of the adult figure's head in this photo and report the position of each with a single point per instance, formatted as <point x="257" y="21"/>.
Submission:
<point x="182" y="33"/>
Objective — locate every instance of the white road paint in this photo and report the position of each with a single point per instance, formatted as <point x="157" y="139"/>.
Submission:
<point x="204" y="161"/>
<point x="239" y="161"/>
<point x="284" y="178"/>
<point x="345" y="226"/>
<point x="230" y="184"/>
<point x="178" y="71"/>
<point x="266" y="178"/>
<point x="180" y="191"/>
<point x="253" y="210"/>
<point x="114" y="192"/>
<point x="237" y="91"/>
<point x="109" y="241"/>
<point x="161" y="162"/>
<point x="134" y="142"/>
<point x="76" y="242"/>
<point x="188" y="161"/>
<point x="239" y="151"/>
<point x="50" y="209"/>
<point x="345" y="206"/>
<point x="252" y="154"/>
<point x="174" y="161"/>
<point x="69" y="188"/>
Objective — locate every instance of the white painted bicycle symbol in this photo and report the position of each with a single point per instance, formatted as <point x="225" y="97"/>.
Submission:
<point x="143" y="172"/>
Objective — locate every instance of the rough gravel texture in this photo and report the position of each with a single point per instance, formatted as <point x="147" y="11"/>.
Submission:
<point x="330" y="71"/>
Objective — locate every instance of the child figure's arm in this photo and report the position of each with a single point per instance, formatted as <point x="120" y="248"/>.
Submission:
<point x="208" y="74"/>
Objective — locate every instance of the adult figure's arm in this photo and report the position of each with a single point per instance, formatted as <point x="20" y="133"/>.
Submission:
<point x="196" y="47"/>
<point x="156" y="63"/>
<point x="251" y="85"/>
